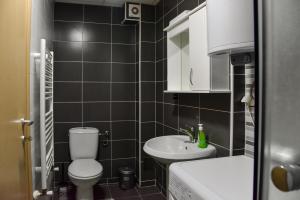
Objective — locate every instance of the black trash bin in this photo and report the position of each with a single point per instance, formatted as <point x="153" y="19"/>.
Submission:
<point x="127" y="179"/>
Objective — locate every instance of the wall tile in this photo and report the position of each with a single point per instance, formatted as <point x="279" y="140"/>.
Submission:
<point x="96" y="92"/>
<point x="159" y="29"/>
<point x="99" y="72"/>
<point x="67" y="112"/>
<point x="169" y="5"/>
<point x="104" y="150"/>
<point x="148" y="13"/>
<point x="117" y="15"/>
<point x="159" y="50"/>
<point x="123" y="130"/>
<point x="187" y="5"/>
<point x="62" y="153"/>
<point x="123" y="34"/>
<point x="122" y="72"/>
<point x="67" y="71"/>
<point x="215" y="101"/>
<point x="148" y="112"/>
<point x="67" y="92"/>
<point x="148" y="170"/>
<point x="189" y="100"/>
<point x="159" y="91"/>
<point x="159" y="130"/>
<point x="147" y="131"/>
<point x="96" y="52"/>
<point x="123" y="53"/>
<point x="159" y="112"/>
<point x="123" y="91"/>
<point x="148" y="32"/>
<point x="97" y="32"/>
<point x="216" y="126"/>
<point x="169" y="16"/>
<point x="147" y="71"/>
<point x="96" y="112"/>
<point x="147" y="52"/>
<point x="123" y="111"/>
<point x="75" y="12"/>
<point x="239" y="130"/>
<point x="99" y="14"/>
<point x="67" y="51"/>
<point x="188" y="117"/>
<point x="159" y="10"/>
<point x="171" y="115"/>
<point x="120" y="146"/>
<point x="68" y="31"/>
<point x="148" y="91"/>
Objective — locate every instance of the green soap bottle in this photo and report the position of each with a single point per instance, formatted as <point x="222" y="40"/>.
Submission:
<point x="202" y="143"/>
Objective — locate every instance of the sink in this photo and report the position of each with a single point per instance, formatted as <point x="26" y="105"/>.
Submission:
<point x="175" y="148"/>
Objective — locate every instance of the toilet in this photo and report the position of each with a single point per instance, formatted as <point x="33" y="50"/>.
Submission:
<point x="84" y="171"/>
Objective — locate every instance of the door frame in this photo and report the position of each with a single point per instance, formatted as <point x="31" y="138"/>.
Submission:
<point x="259" y="137"/>
<point x="27" y="147"/>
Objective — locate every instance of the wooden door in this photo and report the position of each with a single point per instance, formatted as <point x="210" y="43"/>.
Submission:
<point x="15" y="176"/>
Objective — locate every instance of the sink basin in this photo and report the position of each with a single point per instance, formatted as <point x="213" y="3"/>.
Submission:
<point x="175" y="148"/>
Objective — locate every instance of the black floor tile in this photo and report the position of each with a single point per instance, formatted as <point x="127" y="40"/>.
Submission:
<point x="113" y="192"/>
<point x="154" y="197"/>
<point x="148" y="190"/>
<point x="101" y="192"/>
<point x="117" y="193"/>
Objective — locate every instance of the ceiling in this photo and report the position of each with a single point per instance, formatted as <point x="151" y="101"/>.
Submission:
<point x="109" y="2"/>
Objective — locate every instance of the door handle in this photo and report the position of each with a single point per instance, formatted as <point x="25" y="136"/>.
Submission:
<point x="286" y="177"/>
<point x="26" y="122"/>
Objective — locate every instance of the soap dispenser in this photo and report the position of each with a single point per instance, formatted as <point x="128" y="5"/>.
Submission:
<point x="202" y="143"/>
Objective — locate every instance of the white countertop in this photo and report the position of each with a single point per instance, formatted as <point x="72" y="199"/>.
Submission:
<point x="228" y="178"/>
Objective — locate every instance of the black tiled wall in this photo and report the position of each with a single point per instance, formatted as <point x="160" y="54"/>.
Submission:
<point x="147" y="96"/>
<point x="95" y="83"/>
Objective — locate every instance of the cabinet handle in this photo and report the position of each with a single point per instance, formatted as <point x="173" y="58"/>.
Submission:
<point x="191" y="76"/>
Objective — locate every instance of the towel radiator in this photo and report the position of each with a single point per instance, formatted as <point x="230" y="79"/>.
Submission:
<point x="46" y="117"/>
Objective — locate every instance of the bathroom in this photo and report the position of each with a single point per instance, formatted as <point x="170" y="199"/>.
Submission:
<point x="149" y="99"/>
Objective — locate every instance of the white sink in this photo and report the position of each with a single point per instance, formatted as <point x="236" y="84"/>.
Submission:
<point x="174" y="148"/>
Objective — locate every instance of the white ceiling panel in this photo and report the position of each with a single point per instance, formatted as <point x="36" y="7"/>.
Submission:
<point x="109" y="2"/>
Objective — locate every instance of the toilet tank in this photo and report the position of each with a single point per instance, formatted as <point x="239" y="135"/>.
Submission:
<point x="83" y="142"/>
<point x="230" y="26"/>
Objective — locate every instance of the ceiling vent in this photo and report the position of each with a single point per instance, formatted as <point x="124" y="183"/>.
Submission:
<point x="132" y="12"/>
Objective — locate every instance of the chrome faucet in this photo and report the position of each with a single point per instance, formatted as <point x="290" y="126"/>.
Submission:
<point x="189" y="132"/>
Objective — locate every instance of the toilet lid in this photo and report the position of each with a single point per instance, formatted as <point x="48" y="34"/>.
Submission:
<point x="84" y="168"/>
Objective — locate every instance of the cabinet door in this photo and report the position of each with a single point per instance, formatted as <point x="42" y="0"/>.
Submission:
<point x="199" y="59"/>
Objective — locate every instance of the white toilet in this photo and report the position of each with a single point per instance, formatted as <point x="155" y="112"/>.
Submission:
<point x="84" y="171"/>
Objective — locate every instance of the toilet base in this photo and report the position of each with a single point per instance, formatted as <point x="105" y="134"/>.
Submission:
<point x="84" y="193"/>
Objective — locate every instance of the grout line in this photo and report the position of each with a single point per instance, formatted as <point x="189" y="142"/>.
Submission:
<point x="110" y="105"/>
<point x="82" y="75"/>
<point x="94" y="42"/>
<point x="94" y="62"/>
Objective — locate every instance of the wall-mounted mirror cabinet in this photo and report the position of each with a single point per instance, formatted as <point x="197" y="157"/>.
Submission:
<point x="190" y="69"/>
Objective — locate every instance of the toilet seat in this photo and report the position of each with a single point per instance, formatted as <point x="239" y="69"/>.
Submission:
<point x="85" y="169"/>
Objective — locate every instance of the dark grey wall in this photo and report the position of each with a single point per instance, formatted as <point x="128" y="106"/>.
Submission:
<point x="95" y="83"/>
<point x="147" y="95"/>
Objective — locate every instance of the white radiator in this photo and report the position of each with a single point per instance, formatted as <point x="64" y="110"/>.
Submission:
<point x="46" y="113"/>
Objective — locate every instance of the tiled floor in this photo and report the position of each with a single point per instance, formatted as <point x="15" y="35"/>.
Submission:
<point x="113" y="192"/>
